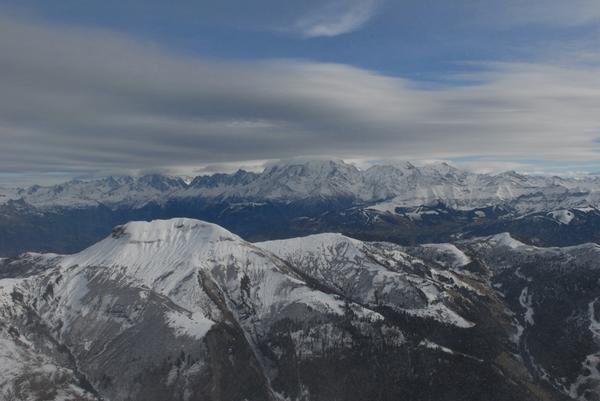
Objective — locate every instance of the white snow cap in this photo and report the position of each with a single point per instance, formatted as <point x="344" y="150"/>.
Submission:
<point x="183" y="229"/>
<point x="149" y="248"/>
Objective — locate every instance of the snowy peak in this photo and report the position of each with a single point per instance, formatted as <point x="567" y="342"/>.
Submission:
<point x="150" y="250"/>
<point x="168" y="256"/>
<point x="315" y="241"/>
<point x="239" y="178"/>
<point x="402" y="184"/>
<point x="373" y="274"/>
<point x="503" y="240"/>
<point x="161" y="183"/>
<point x="308" y="168"/>
<point x="326" y="247"/>
<point x="111" y="191"/>
<point x="191" y="231"/>
<point x="313" y="178"/>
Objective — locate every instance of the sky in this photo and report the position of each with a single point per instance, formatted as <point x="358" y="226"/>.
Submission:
<point x="114" y="87"/>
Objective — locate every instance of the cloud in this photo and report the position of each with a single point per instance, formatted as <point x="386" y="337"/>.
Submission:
<point x="81" y="101"/>
<point x="337" y="18"/>
<point x="562" y="13"/>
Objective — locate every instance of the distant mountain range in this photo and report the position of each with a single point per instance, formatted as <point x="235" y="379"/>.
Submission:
<point x="183" y="309"/>
<point x="400" y="185"/>
<point x="402" y="203"/>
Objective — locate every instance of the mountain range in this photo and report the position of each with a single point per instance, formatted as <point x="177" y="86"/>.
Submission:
<point x="400" y="185"/>
<point x="183" y="309"/>
<point x="401" y="203"/>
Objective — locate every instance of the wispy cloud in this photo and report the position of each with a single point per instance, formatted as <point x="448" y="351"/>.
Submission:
<point x="81" y="101"/>
<point x="561" y="13"/>
<point x="337" y="18"/>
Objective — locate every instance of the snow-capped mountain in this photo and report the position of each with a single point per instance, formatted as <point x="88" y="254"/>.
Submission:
<point x="400" y="203"/>
<point x="374" y="274"/>
<point x="182" y="309"/>
<point x="550" y="296"/>
<point x="463" y="190"/>
<point x="400" y="185"/>
<point x="113" y="191"/>
<point x="161" y="310"/>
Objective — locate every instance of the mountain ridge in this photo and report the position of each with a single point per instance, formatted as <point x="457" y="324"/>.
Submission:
<point x="402" y="203"/>
<point x="176" y="309"/>
<point x="294" y="180"/>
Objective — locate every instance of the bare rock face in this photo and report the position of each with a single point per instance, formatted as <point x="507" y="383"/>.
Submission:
<point x="182" y="309"/>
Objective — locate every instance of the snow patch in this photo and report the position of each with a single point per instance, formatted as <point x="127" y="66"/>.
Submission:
<point x="562" y="216"/>
<point x="194" y="325"/>
<point x="384" y="207"/>
<point x="458" y="258"/>
<point x="525" y="299"/>
<point x="506" y="240"/>
<point x="588" y="383"/>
